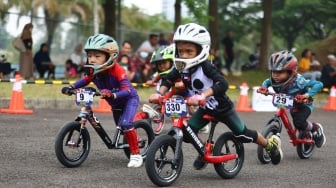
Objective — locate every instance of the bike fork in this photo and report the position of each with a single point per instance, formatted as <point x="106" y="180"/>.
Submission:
<point x="178" y="146"/>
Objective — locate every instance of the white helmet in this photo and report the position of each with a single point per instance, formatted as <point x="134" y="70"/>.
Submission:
<point x="103" y="43"/>
<point x="196" y="34"/>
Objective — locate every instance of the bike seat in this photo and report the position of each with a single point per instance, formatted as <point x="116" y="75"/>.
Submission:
<point x="210" y="118"/>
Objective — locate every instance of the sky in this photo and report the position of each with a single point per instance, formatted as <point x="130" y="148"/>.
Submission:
<point x="149" y="6"/>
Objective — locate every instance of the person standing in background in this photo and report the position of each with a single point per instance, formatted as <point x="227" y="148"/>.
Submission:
<point x="26" y="57"/>
<point x="227" y="44"/>
<point x="78" y="57"/>
<point x="126" y="61"/>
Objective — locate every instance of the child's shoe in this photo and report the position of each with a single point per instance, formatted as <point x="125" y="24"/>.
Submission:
<point x="274" y="149"/>
<point x="318" y="135"/>
<point x="135" y="161"/>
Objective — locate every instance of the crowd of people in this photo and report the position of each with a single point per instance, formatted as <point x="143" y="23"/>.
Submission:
<point x="137" y="62"/>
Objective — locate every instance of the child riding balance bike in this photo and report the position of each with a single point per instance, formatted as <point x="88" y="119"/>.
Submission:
<point x="286" y="81"/>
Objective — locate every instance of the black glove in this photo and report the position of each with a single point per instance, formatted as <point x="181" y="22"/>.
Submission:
<point x="68" y="90"/>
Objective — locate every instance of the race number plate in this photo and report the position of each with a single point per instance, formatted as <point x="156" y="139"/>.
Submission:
<point x="84" y="97"/>
<point x="283" y="100"/>
<point x="175" y="107"/>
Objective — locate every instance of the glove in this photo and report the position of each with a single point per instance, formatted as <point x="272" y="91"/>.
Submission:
<point x="68" y="90"/>
<point x="302" y="99"/>
<point x="263" y="90"/>
<point x="196" y="100"/>
<point x="154" y="98"/>
<point x="106" y="93"/>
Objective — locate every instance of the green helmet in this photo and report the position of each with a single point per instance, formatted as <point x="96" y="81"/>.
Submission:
<point x="103" y="43"/>
<point x="163" y="53"/>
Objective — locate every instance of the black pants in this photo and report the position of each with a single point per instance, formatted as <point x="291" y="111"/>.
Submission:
<point x="300" y="115"/>
<point x="43" y="68"/>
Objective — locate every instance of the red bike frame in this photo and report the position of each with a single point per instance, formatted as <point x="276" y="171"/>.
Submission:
<point x="291" y="130"/>
<point x="204" y="150"/>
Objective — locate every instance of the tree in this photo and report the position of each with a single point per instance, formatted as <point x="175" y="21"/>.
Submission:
<point x="213" y="23"/>
<point x="177" y="14"/>
<point x="266" y="34"/>
<point x="109" y="7"/>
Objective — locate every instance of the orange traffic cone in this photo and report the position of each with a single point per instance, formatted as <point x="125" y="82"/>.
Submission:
<point x="16" y="105"/>
<point x="243" y="104"/>
<point x="103" y="107"/>
<point x="331" y="100"/>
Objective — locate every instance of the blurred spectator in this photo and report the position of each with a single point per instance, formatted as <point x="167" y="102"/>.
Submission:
<point x="151" y="44"/>
<point x="26" y="57"/>
<point x="141" y="60"/>
<point x="78" y="58"/>
<point x="43" y="62"/>
<point x="5" y="68"/>
<point x="306" y="68"/>
<point x="70" y="69"/>
<point x="253" y="62"/>
<point x="162" y="40"/>
<point x="227" y="44"/>
<point x="126" y="61"/>
<point x="214" y="57"/>
<point x="328" y="77"/>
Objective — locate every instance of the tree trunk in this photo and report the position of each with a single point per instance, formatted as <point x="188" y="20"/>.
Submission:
<point x="213" y="23"/>
<point x="51" y="25"/>
<point x="177" y="18"/>
<point x="266" y="34"/>
<point x="110" y="17"/>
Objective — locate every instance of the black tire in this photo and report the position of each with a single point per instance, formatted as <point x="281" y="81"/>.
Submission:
<point x="269" y="130"/>
<point x="159" y="164"/>
<point x="305" y="150"/>
<point x="225" y="144"/>
<point x="68" y="151"/>
<point x="145" y="136"/>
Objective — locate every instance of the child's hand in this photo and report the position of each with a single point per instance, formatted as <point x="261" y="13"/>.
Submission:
<point x="106" y="93"/>
<point x="196" y="100"/>
<point x="150" y="82"/>
<point x="302" y="99"/>
<point x="263" y="90"/>
<point x="154" y="98"/>
<point x="179" y="85"/>
<point x="68" y="90"/>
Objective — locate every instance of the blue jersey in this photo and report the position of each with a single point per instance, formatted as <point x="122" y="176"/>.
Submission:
<point x="114" y="80"/>
<point x="299" y="86"/>
<point x="125" y="105"/>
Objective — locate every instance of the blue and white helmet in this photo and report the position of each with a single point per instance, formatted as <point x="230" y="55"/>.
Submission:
<point x="196" y="34"/>
<point x="103" y="43"/>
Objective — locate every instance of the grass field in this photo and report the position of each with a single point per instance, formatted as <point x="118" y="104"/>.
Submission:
<point x="49" y="91"/>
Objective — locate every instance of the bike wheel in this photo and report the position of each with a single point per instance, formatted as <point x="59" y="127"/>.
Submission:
<point x="305" y="150"/>
<point x="226" y="144"/>
<point x="71" y="146"/>
<point x="145" y="137"/>
<point x="160" y="165"/>
<point x="268" y="131"/>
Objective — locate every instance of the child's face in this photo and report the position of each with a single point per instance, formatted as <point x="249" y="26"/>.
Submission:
<point x="163" y="65"/>
<point x="280" y="76"/>
<point x="186" y="50"/>
<point x="124" y="60"/>
<point x="96" y="57"/>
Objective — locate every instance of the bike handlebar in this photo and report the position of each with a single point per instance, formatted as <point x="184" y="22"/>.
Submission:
<point x="161" y="100"/>
<point x="95" y="92"/>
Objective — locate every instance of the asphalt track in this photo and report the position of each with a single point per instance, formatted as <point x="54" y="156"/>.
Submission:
<point x="27" y="158"/>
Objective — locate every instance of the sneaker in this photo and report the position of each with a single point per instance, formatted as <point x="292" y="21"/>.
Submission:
<point x="275" y="151"/>
<point x="199" y="164"/>
<point x="135" y="161"/>
<point x="151" y="112"/>
<point x="205" y="129"/>
<point x="319" y="136"/>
